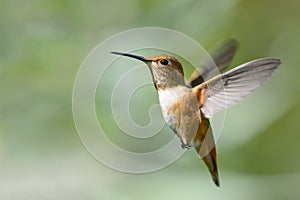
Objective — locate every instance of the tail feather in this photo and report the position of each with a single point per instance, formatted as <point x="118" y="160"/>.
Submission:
<point x="205" y="147"/>
<point x="211" y="163"/>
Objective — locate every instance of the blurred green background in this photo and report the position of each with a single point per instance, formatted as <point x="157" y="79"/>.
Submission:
<point x="42" y="45"/>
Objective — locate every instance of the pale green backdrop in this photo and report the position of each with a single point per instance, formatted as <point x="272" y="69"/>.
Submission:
<point x="43" y="43"/>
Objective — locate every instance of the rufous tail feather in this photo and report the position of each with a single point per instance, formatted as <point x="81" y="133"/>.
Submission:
<point x="205" y="147"/>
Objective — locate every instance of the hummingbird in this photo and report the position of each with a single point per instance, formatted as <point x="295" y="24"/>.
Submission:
<point x="188" y="105"/>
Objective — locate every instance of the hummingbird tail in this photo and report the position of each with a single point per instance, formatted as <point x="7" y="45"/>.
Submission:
<point x="211" y="163"/>
<point x="205" y="147"/>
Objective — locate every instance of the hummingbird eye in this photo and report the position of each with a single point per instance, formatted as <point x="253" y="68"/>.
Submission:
<point x="164" y="62"/>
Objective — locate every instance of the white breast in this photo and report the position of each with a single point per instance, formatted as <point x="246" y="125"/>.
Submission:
<point x="180" y="111"/>
<point x="170" y="96"/>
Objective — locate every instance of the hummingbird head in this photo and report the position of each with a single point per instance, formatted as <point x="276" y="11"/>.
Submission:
<point x="166" y="70"/>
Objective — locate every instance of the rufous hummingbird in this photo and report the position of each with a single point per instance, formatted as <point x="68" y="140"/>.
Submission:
<point x="187" y="107"/>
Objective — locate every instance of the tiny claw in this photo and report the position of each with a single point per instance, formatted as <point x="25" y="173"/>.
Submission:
<point x="186" y="146"/>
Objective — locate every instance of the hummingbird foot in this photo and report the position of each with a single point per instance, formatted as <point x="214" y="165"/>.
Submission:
<point x="185" y="145"/>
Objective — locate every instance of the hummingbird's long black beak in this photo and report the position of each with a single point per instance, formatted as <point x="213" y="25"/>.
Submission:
<point x="131" y="55"/>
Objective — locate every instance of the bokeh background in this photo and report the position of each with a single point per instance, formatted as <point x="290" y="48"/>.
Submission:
<point x="43" y="43"/>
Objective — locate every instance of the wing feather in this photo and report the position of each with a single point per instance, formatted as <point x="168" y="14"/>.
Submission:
<point x="228" y="88"/>
<point x="220" y="58"/>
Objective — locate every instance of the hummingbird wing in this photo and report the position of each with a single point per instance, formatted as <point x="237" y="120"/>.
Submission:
<point x="226" y="89"/>
<point x="220" y="58"/>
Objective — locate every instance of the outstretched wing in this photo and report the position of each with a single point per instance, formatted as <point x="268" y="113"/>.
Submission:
<point x="220" y="58"/>
<point x="228" y="88"/>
